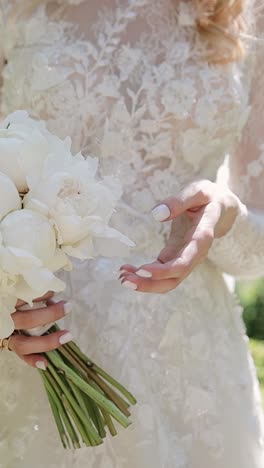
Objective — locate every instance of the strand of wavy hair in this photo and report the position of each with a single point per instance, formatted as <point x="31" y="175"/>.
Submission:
<point x="220" y="23"/>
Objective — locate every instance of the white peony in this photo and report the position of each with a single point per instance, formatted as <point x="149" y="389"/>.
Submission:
<point x="66" y="212"/>
<point x="28" y="255"/>
<point x="79" y="205"/>
<point x="7" y="304"/>
<point x="24" y="145"/>
<point x="33" y="233"/>
<point x="9" y="196"/>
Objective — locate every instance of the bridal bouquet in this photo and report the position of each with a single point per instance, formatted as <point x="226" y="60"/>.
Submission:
<point x="53" y="206"/>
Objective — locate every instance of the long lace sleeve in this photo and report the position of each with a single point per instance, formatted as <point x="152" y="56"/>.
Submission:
<point x="241" y="252"/>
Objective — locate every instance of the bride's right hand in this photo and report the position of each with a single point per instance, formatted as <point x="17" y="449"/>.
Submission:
<point x="29" y="348"/>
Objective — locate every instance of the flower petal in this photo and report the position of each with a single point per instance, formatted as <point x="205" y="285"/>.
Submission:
<point x="7" y="306"/>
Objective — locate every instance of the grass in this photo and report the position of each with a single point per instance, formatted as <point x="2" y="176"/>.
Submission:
<point x="257" y="349"/>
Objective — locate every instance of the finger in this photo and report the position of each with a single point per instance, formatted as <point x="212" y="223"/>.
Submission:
<point x="132" y="281"/>
<point x="36" y="360"/>
<point x="32" y="318"/>
<point x="198" y="242"/>
<point x="143" y="273"/>
<point x="169" y="253"/>
<point x="44" y="298"/>
<point x="192" y="254"/>
<point x="162" y="271"/>
<point x="176" y="240"/>
<point x="195" y="195"/>
<point x="127" y="268"/>
<point x="23" y="345"/>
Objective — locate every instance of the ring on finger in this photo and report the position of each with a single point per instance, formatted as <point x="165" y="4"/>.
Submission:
<point x="4" y="344"/>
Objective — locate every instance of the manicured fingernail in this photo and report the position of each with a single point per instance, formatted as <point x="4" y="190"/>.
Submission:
<point x="129" y="285"/>
<point x="65" y="338"/>
<point x="144" y="274"/>
<point x="122" y="271"/>
<point x="41" y="365"/>
<point x="67" y="308"/>
<point x="161" y="212"/>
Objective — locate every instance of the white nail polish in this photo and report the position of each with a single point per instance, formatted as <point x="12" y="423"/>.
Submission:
<point x="41" y="365"/>
<point x="65" y="338"/>
<point x="67" y="308"/>
<point x="161" y="212"/>
<point x="144" y="274"/>
<point x="129" y="285"/>
<point x="123" y="271"/>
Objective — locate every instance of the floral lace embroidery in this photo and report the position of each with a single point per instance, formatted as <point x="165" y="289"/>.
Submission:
<point x="136" y="94"/>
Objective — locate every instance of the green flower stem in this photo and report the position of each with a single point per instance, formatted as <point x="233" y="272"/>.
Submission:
<point x="55" y="411"/>
<point x="100" y="399"/>
<point x="79" y="397"/>
<point x="109" y="392"/>
<point x="83" y="397"/>
<point x="117" y="399"/>
<point x="52" y="355"/>
<point x="94" y="411"/>
<point x="63" y="436"/>
<point x="57" y="398"/>
<point x="95" y="414"/>
<point x="76" y="364"/>
<point x="115" y="384"/>
<point x="109" y="423"/>
<point x="101" y="372"/>
<point x="76" y="350"/>
<point x="76" y="421"/>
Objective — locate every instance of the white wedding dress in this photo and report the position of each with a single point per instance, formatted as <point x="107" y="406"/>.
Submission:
<point x="126" y="81"/>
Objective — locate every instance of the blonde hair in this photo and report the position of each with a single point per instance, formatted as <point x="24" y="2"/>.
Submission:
<point x="220" y="23"/>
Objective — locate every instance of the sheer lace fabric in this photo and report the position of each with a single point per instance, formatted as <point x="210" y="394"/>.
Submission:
<point x="240" y="252"/>
<point x="125" y="80"/>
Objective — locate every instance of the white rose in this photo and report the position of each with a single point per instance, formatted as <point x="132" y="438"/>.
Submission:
<point x="79" y="205"/>
<point x="9" y="196"/>
<point x="24" y="145"/>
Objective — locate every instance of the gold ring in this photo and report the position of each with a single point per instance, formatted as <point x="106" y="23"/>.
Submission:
<point x="4" y="344"/>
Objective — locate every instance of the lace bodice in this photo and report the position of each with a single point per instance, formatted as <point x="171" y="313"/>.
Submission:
<point x="126" y="80"/>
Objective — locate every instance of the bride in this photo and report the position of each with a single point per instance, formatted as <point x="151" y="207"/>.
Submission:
<point x="163" y="91"/>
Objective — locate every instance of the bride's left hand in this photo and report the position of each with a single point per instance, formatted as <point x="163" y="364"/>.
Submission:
<point x="211" y="210"/>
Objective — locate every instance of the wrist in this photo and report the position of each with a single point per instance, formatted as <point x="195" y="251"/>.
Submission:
<point x="231" y="209"/>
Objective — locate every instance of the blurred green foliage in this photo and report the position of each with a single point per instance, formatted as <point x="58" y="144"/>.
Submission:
<point x="251" y="296"/>
<point x="257" y="349"/>
<point x="252" y="299"/>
